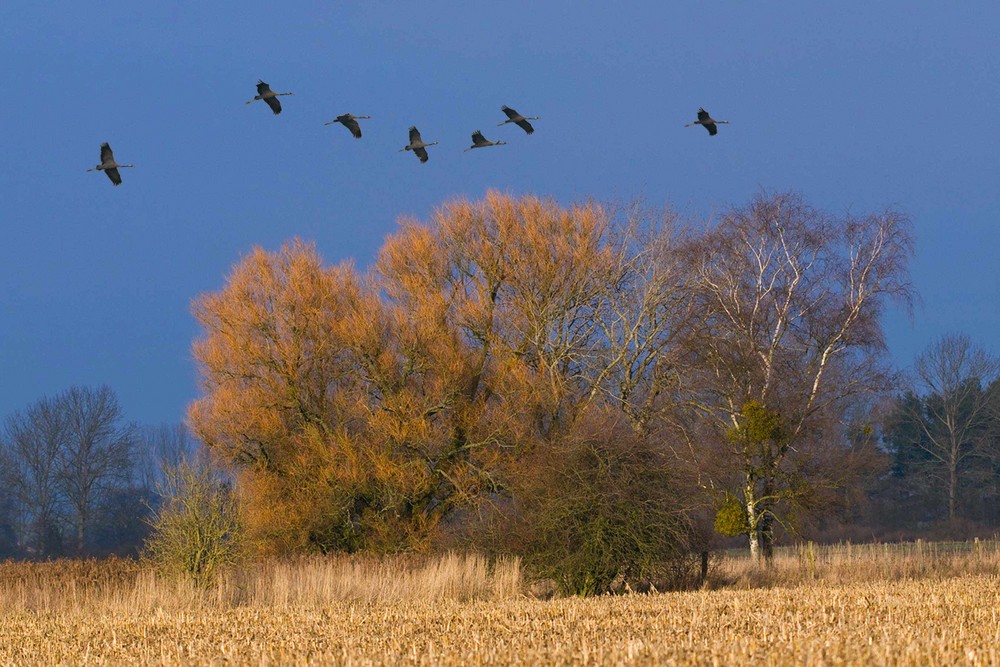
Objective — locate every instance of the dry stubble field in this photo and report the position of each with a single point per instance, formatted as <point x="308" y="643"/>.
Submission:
<point x="869" y="607"/>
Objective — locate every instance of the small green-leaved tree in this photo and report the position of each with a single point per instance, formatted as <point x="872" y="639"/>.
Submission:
<point x="196" y="528"/>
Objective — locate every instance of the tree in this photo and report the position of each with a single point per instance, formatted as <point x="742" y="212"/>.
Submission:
<point x="122" y="523"/>
<point x="96" y="456"/>
<point x="792" y="300"/>
<point x="196" y="528"/>
<point x="760" y="439"/>
<point x="603" y="505"/>
<point x="159" y="446"/>
<point x="955" y="413"/>
<point x="32" y="444"/>
<point x="282" y="399"/>
<point x="364" y="411"/>
<point x="8" y="527"/>
<point x="559" y="318"/>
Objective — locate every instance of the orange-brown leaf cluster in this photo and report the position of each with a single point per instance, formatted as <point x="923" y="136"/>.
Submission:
<point x="361" y="410"/>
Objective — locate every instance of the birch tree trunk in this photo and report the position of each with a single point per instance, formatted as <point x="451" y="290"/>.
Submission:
<point x="752" y="521"/>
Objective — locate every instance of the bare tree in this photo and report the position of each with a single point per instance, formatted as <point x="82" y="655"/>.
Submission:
<point x="8" y="528"/>
<point x="792" y="300"/>
<point x="196" y="528"/>
<point x="956" y="412"/>
<point x="96" y="454"/>
<point x="158" y="447"/>
<point x="645" y="314"/>
<point x="32" y="443"/>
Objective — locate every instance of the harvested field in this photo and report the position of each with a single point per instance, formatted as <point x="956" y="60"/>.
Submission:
<point x="480" y="618"/>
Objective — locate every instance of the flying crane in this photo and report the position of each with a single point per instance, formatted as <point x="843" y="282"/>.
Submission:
<point x="417" y="144"/>
<point x="709" y="123"/>
<point x="479" y="141"/>
<point x="109" y="166"/>
<point x="350" y="122"/>
<point x="265" y="93"/>
<point x="519" y="120"/>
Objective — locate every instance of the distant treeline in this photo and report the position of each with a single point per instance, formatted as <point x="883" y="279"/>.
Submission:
<point x="78" y="479"/>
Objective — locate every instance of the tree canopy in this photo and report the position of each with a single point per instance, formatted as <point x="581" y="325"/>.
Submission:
<point x="380" y="410"/>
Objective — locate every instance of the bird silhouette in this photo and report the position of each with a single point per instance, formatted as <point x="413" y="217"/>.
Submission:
<point x="519" y="120"/>
<point x="709" y="123"/>
<point x="479" y="141"/>
<point x="265" y="93"/>
<point x="417" y="145"/>
<point x="350" y="122"/>
<point x="109" y="166"/>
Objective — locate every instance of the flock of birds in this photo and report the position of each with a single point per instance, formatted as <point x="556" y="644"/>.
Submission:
<point x="419" y="147"/>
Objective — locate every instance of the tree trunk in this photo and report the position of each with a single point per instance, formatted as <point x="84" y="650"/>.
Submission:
<point x="765" y="519"/>
<point x="952" y="486"/>
<point x="81" y="530"/>
<point x="765" y="537"/>
<point x="754" y="547"/>
<point x="752" y="520"/>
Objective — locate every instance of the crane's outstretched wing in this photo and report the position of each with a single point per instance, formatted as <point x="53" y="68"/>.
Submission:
<point x="113" y="174"/>
<point x="712" y="128"/>
<point x="274" y="104"/>
<point x="262" y="87"/>
<point x="525" y="125"/>
<point x="415" y="135"/>
<point x="511" y="113"/>
<point x="106" y="154"/>
<point x="703" y="115"/>
<point x="478" y="139"/>
<point x="421" y="153"/>
<point x="351" y="125"/>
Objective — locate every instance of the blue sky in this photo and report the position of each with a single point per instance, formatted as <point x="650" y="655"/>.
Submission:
<point x="858" y="106"/>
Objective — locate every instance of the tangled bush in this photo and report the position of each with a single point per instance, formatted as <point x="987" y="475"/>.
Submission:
<point x="606" y="512"/>
<point x="196" y="528"/>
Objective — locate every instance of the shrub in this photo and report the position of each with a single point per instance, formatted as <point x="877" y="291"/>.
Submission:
<point x="606" y="513"/>
<point x="196" y="529"/>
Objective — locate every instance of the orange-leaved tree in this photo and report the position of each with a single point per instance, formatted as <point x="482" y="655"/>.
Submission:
<point x="363" y="411"/>
<point x="280" y="395"/>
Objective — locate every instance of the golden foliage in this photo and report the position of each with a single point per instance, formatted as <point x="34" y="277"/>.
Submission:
<point x="362" y="411"/>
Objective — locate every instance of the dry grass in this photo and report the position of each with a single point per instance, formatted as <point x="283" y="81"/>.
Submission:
<point x="856" y="563"/>
<point x="102" y="586"/>
<point x="461" y="610"/>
